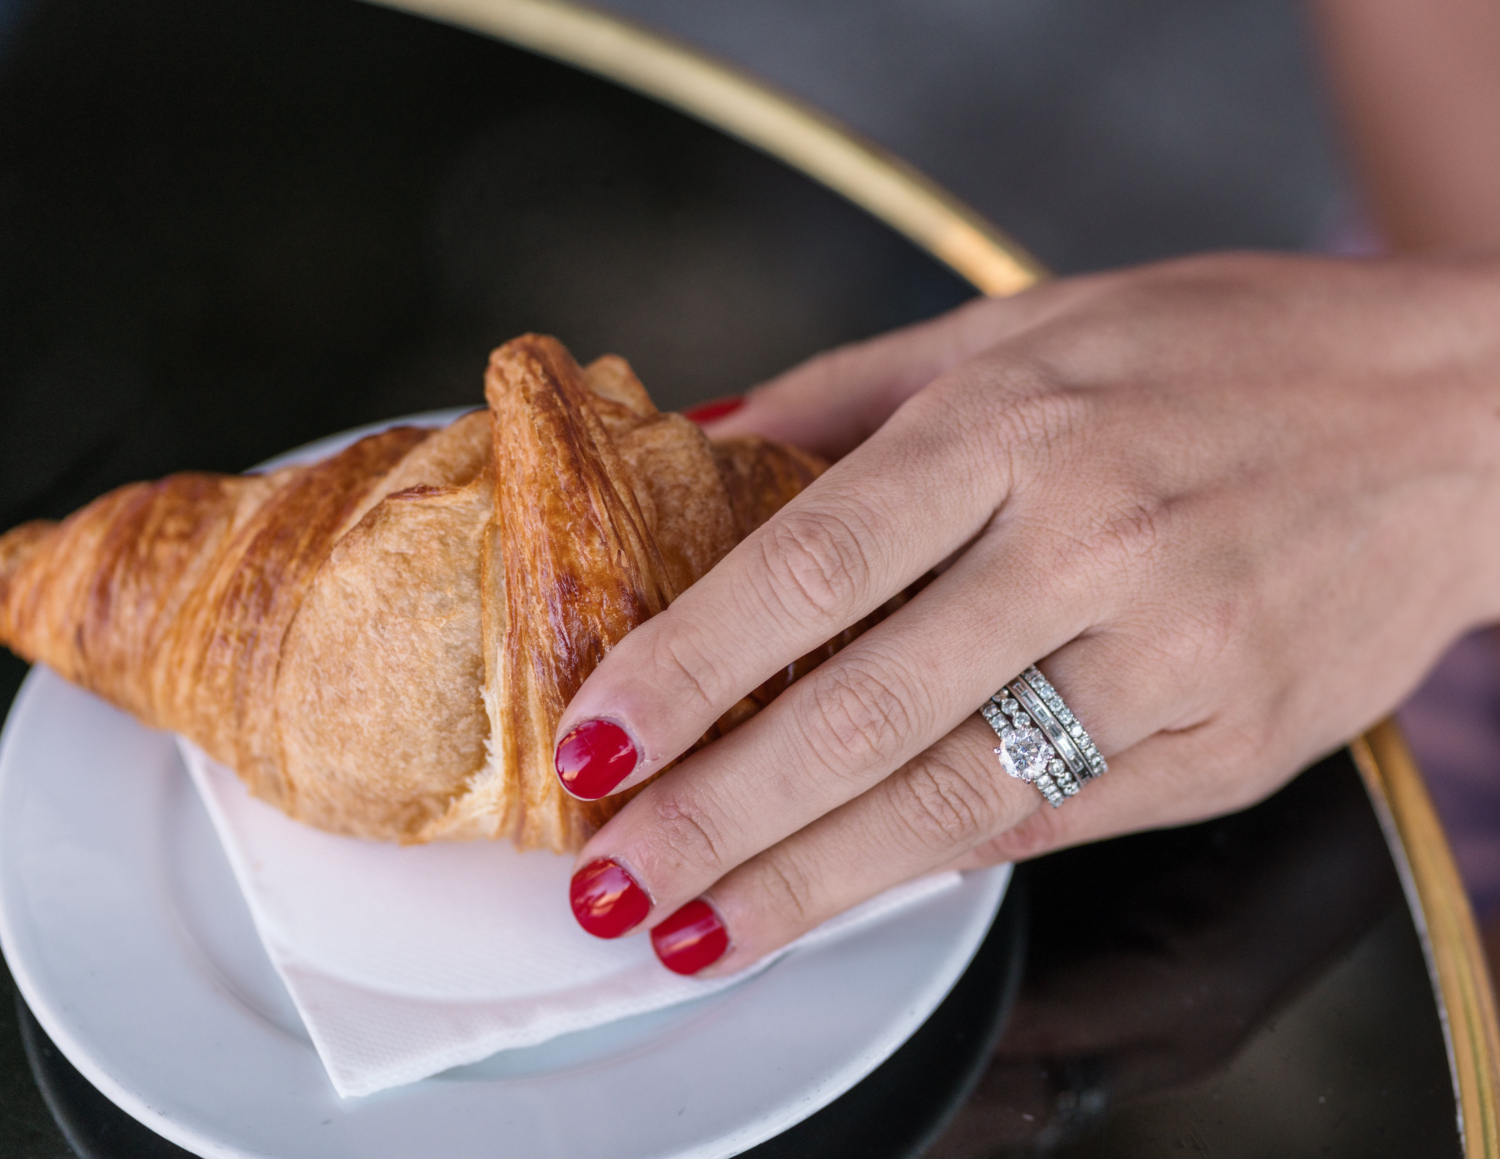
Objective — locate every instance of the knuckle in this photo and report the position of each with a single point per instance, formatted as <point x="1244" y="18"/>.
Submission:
<point x="786" y="889"/>
<point x="1193" y="644"/>
<point x="941" y="806"/>
<point x="856" y="710"/>
<point x="686" y="829"/>
<point x="1029" y="405"/>
<point x="1101" y="549"/>
<point x="815" y="565"/>
<point x="1135" y="533"/>
<point x="1021" y="421"/>
<point x="680" y="662"/>
<point x="1123" y="535"/>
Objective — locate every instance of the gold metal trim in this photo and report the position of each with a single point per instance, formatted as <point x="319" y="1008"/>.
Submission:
<point x="892" y="191"/>
<point x="1445" y="921"/>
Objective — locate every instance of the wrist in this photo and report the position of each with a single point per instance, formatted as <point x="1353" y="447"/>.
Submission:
<point x="1466" y="370"/>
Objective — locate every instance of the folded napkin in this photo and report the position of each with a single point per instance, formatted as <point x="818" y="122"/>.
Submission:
<point x="407" y="960"/>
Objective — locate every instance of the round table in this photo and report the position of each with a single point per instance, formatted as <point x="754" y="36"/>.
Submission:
<point x="226" y="230"/>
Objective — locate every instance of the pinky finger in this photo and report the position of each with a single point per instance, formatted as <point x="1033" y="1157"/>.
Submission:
<point x="833" y="402"/>
<point x="1168" y="779"/>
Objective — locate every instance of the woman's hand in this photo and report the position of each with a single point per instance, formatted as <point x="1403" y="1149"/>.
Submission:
<point x="1235" y="506"/>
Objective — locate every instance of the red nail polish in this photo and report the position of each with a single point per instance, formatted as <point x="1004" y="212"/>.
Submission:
<point x="594" y="758"/>
<point x="690" y="939"/>
<point x="717" y="408"/>
<point x="606" y="899"/>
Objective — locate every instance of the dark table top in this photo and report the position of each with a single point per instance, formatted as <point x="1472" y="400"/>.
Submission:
<point x="228" y="229"/>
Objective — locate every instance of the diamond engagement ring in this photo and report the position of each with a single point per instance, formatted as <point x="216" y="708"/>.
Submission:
<point x="1041" y="741"/>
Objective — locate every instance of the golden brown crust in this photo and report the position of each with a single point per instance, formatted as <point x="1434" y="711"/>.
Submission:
<point x="382" y="643"/>
<point x="761" y="477"/>
<point x="224" y="649"/>
<point x="450" y="457"/>
<point x="581" y="568"/>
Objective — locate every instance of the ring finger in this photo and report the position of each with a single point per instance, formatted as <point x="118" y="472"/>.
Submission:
<point x="949" y="808"/>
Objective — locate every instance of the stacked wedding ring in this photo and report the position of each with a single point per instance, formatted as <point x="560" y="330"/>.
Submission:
<point x="1041" y="741"/>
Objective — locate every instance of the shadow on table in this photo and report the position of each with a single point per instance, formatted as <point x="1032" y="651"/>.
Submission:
<point x="94" y="1127"/>
<point x="1250" y="986"/>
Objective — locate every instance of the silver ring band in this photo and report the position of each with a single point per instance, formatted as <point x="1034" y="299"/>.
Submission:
<point x="1043" y="717"/>
<point x="1041" y="741"/>
<point x="1075" y="731"/>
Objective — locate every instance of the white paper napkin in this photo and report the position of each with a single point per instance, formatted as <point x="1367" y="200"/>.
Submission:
<point x="405" y="961"/>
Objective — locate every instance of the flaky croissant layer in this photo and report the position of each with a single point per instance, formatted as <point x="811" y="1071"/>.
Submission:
<point x="382" y="643"/>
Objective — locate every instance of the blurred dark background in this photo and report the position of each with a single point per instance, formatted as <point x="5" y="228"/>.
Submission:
<point x="1098" y="132"/>
<point x="228" y="225"/>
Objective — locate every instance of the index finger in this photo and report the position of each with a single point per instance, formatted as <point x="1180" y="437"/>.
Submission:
<point x="834" y="401"/>
<point x="912" y="495"/>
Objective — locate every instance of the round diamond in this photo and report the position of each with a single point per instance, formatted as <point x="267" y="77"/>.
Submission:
<point x="1024" y="753"/>
<point x="1009" y="707"/>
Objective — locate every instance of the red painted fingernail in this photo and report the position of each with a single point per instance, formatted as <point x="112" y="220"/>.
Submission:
<point x="717" y="408"/>
<point x="594" y="758"/>
<point x="690" y="939"/>
<point x="606" y="900"/>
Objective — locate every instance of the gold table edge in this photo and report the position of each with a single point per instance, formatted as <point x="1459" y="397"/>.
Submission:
<point x="813" y="143"/>
<point x="1445" y="922"/>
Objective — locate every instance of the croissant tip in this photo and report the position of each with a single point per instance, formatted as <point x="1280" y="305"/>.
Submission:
<point x="17" y="547"/>
<point x="527" y="345"/>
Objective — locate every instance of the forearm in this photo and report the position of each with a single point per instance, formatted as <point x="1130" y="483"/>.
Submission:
<point x="1417" y="87"/>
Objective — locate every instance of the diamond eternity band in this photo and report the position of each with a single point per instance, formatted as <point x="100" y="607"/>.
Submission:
<point x="1041" y="741"/>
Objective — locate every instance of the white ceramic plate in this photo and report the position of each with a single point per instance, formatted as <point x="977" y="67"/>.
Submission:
<point x="129" y="939"/>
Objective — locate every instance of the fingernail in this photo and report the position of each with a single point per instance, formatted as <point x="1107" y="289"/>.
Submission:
<point x="690" y="939"/>
<point x="717" y="408"/>
<point x="594" y="758"/>
<point x="606" y="900"/>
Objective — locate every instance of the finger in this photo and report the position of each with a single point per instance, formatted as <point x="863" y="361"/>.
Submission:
<point x="1168" y="779"/>
<point x="838" y="551"/>
<point x="836" y="400"/>
<point x="953" y="796"/>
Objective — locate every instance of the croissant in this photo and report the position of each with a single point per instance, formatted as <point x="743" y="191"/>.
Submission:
<point x="381" y="644"/>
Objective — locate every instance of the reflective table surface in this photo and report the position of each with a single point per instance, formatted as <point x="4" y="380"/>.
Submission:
<point x="229" y="228"/>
